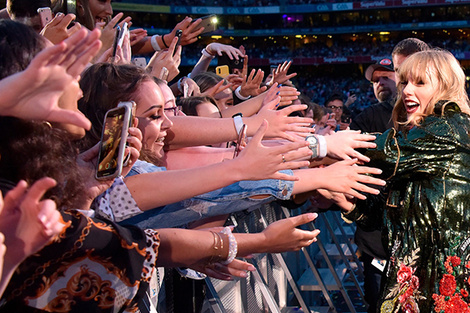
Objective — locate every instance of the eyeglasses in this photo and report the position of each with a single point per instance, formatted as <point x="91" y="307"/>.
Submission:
<point x="335" y="108"/>
<point x="174" y="111"/>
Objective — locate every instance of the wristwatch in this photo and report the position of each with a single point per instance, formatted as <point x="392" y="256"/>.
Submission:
<point x="313" y="145"/>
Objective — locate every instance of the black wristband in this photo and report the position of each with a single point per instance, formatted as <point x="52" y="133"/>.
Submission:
<point x="164" y="43"/>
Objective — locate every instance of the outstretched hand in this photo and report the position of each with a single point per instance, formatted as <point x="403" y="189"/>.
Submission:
<point x="346" y="177"/>
<point x="341" y="145"/>
<point x="283" y="235"/>
<point x="34" y="92"/>
<point x="281" y="125"/>
<point x="260" y="162"/>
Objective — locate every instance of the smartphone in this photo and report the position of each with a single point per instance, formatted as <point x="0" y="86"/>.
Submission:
<point x="241" y="141"/>
<point x="116" y="40"/>
<point x="45" y="14"/>
<point x="122" y="34"/>
<point x="140" y="62"/>
<point x="113" y="142"/>
<point x="225" y="60"/>
<point x="178" y="34"/>
<point x="209" y="22"/>
<point x="132" y="106"/>
<point x="222" y="71"/>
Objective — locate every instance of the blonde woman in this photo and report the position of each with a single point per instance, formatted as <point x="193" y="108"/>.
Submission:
<point x="425" y="206"/>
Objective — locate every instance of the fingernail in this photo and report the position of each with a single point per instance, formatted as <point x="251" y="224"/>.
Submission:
<point x="244" y="275"/>
<point x="277" y="93"/>
<point x="60" y="14"/>
<point x="279" y="86"/>
<point x="277" y="105"/>
<point x="251" y="268"/>
<point x="42" y="218"/>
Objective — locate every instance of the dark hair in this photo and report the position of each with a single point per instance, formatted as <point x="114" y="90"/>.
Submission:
<point x="34" y="150"/>
<point x="104" y="85"/>
<point x="26" y="8"/>
<point x="408" y="46"/>
<point x="189" y="104"/>
<point x="19" y="44"/>
<point x="333" y="97"/>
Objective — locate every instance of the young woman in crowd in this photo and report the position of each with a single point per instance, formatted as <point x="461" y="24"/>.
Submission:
<point x="425" y="208"/>
<point x="105" y="85"/>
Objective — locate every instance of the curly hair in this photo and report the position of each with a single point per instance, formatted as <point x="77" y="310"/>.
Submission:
<point x="34" y="150"/>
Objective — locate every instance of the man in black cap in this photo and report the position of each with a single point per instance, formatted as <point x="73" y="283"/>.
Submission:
<point x="375" y="118"/>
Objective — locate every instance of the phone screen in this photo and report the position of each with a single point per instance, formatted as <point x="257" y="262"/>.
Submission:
<point x="113" y="143"/>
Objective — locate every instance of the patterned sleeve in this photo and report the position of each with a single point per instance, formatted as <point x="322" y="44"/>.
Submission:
<point x="153" y="242"/>
<point x="116" y="204"/>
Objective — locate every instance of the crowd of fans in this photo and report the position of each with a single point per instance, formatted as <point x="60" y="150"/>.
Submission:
<point x="113" y="167"/>
<point x="105" y="181"/>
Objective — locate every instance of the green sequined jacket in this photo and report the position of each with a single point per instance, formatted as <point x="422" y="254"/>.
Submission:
<point x="425" y="213"/>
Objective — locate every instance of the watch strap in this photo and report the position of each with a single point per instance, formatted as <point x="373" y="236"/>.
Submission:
<point x="238" y="122"/>
<point x="323" y="149"/>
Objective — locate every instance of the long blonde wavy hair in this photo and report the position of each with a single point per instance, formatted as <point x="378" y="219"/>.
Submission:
<point x="425" y="65"/>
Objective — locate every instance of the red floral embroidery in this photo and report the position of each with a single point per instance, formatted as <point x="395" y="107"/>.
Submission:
<point x="447" y="285"/>
<point x="404" y="274"/>
<point x="450" y="298"/>
<point x="456" y="305"/>
<point x="464" y="293"/>
<point x="455" y="260"/>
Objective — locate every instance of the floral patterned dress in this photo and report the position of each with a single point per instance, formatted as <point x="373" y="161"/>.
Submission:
<point x="94" y="266"/>
<point x="425" y="215"/>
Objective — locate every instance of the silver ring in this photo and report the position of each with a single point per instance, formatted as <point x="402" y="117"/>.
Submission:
<point x="283" y="159"/>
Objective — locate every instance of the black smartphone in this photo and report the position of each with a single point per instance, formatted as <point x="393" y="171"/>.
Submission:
<point x="178" y="34"/>
<point x="241" y="141"/>
<point x="225" y="60"/>
<point x="116" y="40"/>
<point x="113" y="142"/>
<point x="209" y="22"/>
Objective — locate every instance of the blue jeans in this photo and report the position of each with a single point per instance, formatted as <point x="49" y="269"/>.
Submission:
<point x="233" y="198"/>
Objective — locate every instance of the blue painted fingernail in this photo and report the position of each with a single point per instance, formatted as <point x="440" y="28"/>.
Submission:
<point x="277" y="93"/>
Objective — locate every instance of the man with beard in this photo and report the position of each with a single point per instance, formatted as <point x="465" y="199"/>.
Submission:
<point x="376" y="118"/>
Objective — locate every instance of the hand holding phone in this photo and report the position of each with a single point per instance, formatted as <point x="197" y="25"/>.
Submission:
<point x="178" y="34"/>
<point x="209" y="22"/>
<point x="113" y="142"/>
<point x="241" y="141"/>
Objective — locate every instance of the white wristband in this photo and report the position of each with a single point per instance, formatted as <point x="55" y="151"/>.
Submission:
<point x="233" y="245"/>
<point x="154" y="43"/>
<point x="239" y="96"/>
<point x="206" y="54"/>
<point x="323" y="150"/>
<point x="238" y="122"/>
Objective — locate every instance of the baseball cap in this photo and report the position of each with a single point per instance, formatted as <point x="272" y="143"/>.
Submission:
<point x="384" y="64"/>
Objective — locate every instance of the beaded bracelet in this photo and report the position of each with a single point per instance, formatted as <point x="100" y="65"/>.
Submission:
<point x="233" y="246"/>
